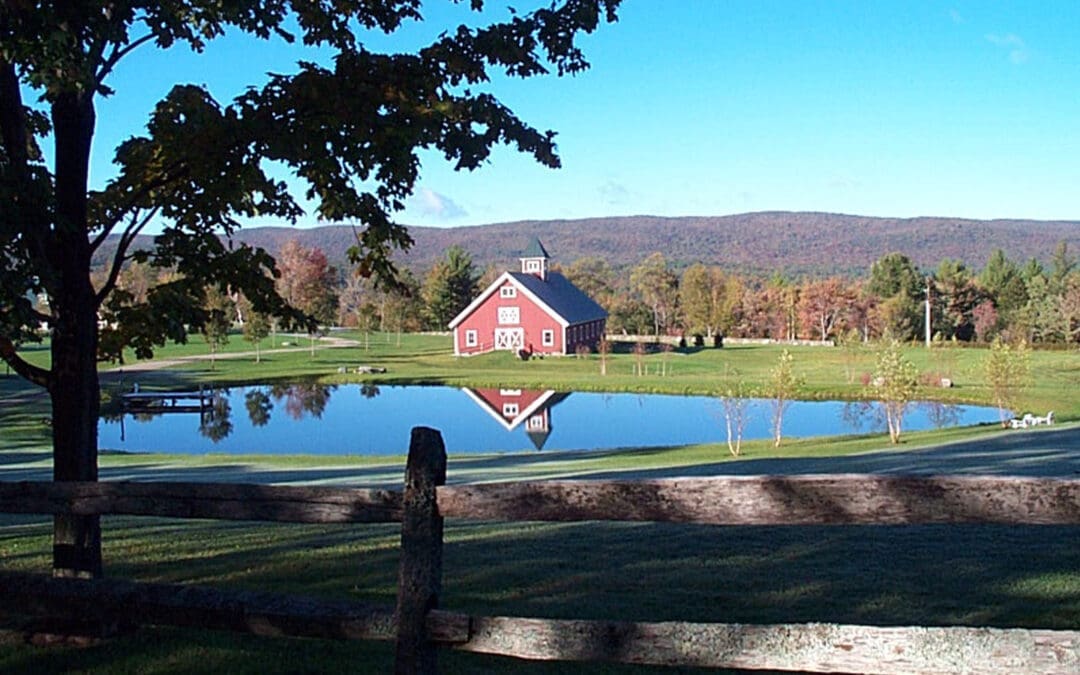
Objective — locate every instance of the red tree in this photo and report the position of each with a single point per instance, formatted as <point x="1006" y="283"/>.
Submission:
<point x="822" y="304"/>
<point x="307" y="280"/>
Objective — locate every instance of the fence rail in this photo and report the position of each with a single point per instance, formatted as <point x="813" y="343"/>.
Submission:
<point x="811" y="647"/>
<point x="834" y="499"/>
<point x="223" y="501"/>
<point x="418" y="626"/>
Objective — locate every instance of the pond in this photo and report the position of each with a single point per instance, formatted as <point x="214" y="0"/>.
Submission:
<point x="315" y="419"/>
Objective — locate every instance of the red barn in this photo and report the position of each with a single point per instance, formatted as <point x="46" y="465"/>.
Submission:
<point x="534" y="310"/>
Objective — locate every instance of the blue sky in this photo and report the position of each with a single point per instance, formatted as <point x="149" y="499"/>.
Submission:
<point x="710" y="107"/>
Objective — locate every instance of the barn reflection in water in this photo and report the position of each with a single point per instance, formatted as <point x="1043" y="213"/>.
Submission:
<point x="513" y="408"/>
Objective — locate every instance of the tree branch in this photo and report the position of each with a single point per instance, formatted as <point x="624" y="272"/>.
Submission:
<point x="144" y="189"/>
<point x="12" y="118"/>
<point x="15" y="136"/>
<point x="117" y="54"/>
<point x="130" y="232"/>
<point x="27" y="371"/>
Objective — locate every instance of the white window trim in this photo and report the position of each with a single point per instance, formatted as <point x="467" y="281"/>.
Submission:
<point x="511" y="409"/>
<point x="507" y="292"/>
<point x="547" y="337"/>
<point x="471" y="338"/>
<point x="509" y="316"/>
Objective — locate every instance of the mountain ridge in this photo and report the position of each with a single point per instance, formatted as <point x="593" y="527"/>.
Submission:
<point x="793" y="243"/>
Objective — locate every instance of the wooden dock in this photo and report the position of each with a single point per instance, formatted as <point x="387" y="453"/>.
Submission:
<point x="169" y="401"/>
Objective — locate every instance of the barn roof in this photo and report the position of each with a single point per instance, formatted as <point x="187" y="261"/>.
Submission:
<point x="563" y="297"/>
<point x="556" y="294"/>
<point x="535" y="250"/>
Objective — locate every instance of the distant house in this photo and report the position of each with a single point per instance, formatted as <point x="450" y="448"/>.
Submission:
<point x="535" y="311"/>
<point x="520" y="407"/>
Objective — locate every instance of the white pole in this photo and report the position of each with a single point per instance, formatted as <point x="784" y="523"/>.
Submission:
<point x="928" y="312"/>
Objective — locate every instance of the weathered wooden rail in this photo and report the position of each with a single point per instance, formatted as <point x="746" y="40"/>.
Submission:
<point x="418" y="626"/>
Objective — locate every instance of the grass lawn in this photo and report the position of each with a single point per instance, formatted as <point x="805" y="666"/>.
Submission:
<point x="920" y="575"/>
<point x="928" y="575"/>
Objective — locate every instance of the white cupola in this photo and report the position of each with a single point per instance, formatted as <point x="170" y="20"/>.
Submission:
<point x="534" y="260"/>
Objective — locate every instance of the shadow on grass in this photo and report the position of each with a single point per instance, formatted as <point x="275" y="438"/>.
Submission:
<point x="906" y="575"/>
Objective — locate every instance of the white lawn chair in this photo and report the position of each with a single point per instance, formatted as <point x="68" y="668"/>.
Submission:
<point x="1048" y="420"/>
<point x="1028" y="420"/>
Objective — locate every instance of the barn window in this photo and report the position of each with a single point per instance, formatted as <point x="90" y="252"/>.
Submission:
<point x="510" y="409"/>
<point x="547" y="338"/>
<point x="507" y="292"/>
<point x="509" y="315"/>
<point x="470" y="338"/>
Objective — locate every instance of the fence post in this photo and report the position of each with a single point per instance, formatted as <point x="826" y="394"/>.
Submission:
<point x="420" y="575"/>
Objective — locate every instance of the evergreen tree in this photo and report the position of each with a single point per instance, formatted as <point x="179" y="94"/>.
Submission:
<point x="449" y="287"/>
<point x="896" y="282"/>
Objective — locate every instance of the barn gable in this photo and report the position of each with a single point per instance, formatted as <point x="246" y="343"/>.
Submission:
<point x="532" y="311"/>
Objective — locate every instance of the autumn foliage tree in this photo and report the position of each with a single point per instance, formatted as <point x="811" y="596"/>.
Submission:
<point x="658" y="287"/>
<point x="307" y="281"/>
<point x="823" y="305"/>
<point x="707" y="299"/>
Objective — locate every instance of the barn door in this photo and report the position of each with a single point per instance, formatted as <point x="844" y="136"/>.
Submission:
<point x="510" y="338"/>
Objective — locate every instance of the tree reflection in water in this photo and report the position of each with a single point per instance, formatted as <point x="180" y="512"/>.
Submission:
<point x="258" y="406"/>
<point x="310" y="398"/>
<point x="216" y="424"/>
<point x="941" y="415"/>
<point x="301" y="400"/>
<point x="862" y="415"/>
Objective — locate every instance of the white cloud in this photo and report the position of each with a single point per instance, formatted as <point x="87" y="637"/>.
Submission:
<point x="839" y="182"/>
<point x="614" y="193"/>
<point x="1018" y="51"/>
<point x="439" y="206"/>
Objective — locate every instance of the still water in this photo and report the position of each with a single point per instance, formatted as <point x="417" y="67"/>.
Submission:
<point x="313" y="419"/>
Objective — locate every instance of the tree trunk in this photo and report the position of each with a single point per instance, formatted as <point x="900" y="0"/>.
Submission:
<point x="75" y="402"/>
<point x="74" y="379"/>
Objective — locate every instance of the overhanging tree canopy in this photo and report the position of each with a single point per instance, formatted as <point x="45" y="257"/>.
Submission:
<point x="350" y="133"/>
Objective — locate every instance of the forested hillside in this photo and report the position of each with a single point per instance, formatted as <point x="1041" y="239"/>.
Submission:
<point x="759" y="275"/>
<point x="814" y="244"/>
<point x="793" y="244"/>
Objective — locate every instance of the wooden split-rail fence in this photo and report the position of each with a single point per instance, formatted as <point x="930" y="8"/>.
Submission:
<point x="420" y="627"/>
